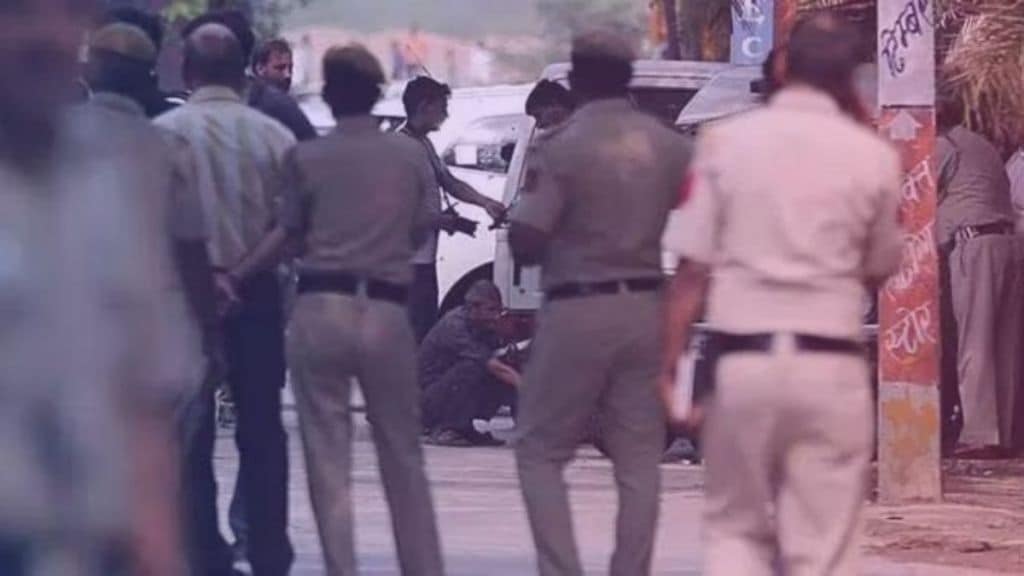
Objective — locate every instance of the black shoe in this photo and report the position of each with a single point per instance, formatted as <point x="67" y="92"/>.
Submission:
<point x="450" y="438"/>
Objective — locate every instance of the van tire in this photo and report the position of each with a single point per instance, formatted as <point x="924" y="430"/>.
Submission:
<point x="457" y="295"/>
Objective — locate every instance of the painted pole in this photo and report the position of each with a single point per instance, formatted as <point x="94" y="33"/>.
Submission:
<point x="909" y="430"/>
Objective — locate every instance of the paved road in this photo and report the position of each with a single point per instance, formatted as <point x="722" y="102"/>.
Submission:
<point x="483" y="526"/>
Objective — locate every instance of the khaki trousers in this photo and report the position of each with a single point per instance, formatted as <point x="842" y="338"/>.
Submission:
<point x="333" y="338"/>
<point x="988" y="302"/>
<point x="787" y="447"/>
<point x="593" y="354"/>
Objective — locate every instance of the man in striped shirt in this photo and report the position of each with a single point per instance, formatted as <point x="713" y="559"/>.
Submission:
<point x="239" y="156"/>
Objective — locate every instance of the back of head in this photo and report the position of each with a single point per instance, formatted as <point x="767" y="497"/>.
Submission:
<point x="423" y="90"/>
<point x="950" y="111"/>
<point x="214" y="56"/>
<point x="121" y="60"/>
<point x="352" y="80"/>
<point x="148" y="22"/>
<point x="602" y="64"/>
<point x="823" y="52"/>
<point x="547" y="93"/>
<point x="233" y="20"/>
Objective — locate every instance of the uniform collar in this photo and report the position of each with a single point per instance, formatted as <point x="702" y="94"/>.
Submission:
<point x="604" y="105"/>
<point x="358" y="124"/>
<point x="118" y="103"/>
<point x="805" y="98"/>
<point x="215" y="94"/>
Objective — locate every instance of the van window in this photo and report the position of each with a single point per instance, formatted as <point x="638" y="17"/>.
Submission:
<point x="485" y="145"/>
<point x="665" y="103"/>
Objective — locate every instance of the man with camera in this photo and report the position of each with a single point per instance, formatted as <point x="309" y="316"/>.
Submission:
<point x="426" y="106"/>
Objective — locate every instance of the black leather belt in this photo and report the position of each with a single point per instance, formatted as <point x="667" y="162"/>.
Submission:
<point x="341" y="283"/>
<point x="581" y="289"/>
<point x="965" y="233"/>
<point x="724" y="343"/>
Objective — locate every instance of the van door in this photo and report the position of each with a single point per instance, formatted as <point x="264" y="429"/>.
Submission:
<point x="519" y="285"/>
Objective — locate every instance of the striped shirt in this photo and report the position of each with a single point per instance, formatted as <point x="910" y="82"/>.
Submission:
<point x="239" y="162"/>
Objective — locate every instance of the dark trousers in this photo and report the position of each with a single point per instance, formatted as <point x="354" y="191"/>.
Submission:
<point x="423" y="300"/>
<point x="254" y="349"/>
<point x="465" y="393"/>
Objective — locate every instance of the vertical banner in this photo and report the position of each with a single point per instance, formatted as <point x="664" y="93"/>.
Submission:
<point x="752" y="26"/>
<point x="906" y="53"/>
<point x="909" y="346"/>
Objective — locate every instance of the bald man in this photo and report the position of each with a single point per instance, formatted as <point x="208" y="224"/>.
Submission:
<point x="239" y="157"/>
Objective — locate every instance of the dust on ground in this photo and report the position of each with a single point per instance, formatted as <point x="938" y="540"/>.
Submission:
<point x="980" y="525"/>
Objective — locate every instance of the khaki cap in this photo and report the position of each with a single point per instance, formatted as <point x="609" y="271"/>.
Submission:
<point x="124" y="40"/>
<point x="358" y="58"/>
<point x="603" y="43"/>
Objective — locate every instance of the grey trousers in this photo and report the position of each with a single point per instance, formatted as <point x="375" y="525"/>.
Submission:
<point x="988" y="301"/>
<point x="332" y="339"/>
<point x="787" y="446"/>
<point x="593" y="355"/>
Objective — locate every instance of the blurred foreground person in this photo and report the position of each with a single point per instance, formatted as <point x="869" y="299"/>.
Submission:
<point x="591" y="213"/>
<point x="239" y="158"/>
<point x="90" y="352"/>
<point x="785" y="243"/>
<point x="359" y="223"/>
<point x="975" y="225"/>
<point x="457" y="375"/>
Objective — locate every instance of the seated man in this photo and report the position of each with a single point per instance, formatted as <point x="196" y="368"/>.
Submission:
<point x="460" y="377"/>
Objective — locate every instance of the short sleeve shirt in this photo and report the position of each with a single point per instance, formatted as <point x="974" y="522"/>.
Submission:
<point x="601" y="187"/>
<point x="426" y="252"/>
<point x="794" y="207"/>
<point x="360" y="198"/>
<point x="974" y="188"/>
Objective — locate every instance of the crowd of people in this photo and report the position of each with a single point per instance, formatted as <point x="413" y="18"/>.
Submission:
<point x="144" y="236"/>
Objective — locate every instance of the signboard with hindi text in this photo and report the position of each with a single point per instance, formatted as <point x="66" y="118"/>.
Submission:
<point x="906" y="53"/>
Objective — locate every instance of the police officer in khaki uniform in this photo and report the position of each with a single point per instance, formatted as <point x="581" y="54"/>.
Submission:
<point x="792" y="238"/>
<point x="597" y="196"/>
<point x="359" y="199"/>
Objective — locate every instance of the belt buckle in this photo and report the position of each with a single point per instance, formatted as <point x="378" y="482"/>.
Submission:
<point x="968" y="233"/>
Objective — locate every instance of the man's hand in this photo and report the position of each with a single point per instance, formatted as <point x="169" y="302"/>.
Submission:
<point x="667" y="390"/>
<point x="505" y="373"/>
<point x="227" y="293"/>
<point x="494" y="209"/>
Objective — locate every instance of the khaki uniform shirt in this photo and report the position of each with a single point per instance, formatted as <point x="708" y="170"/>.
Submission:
<point x="602" y="185"/>
<point x="239" y="161"/>
<point x="359" y="196"/>
<point x="83" y="325"/>
<point x="794" y="206"/>
<point x="426" y="252"/>
<point x="974" y="188"/>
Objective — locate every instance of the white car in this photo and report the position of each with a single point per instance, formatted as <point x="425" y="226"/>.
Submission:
<point x="476" y="142"/>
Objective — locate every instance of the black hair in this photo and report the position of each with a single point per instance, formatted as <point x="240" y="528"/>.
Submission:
<point x="269" y="48"/>
<point x="824" y="51"/>
<point x="348" y="89"/>
<point x="421" y="90"/>
<point x="148" y="22"/>
<point x="233" y="20"/>
<point x="600" y="76"/>
<point x="548" y="93"/>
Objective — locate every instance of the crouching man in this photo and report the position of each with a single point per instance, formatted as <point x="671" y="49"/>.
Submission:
<point x="461" y="379"/>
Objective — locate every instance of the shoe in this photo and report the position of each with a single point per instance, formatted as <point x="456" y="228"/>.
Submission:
<point x="450" y="438"/>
